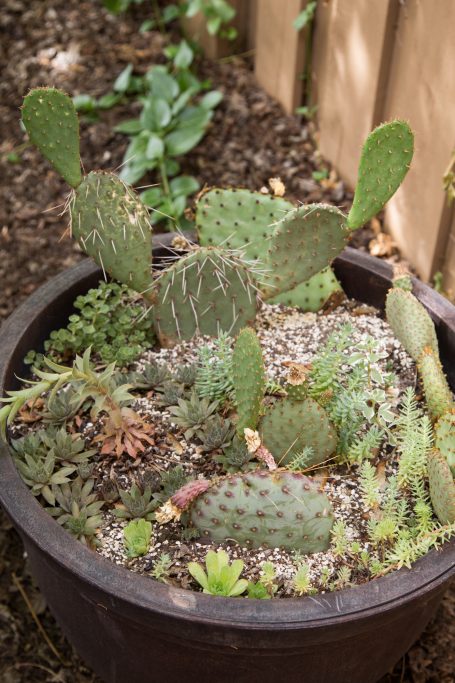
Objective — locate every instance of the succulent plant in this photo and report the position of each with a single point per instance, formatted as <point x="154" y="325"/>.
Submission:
<point x="151" y="479"/>
<point x="249" y="380"/>
<point x="62" y="406"/>
<point x="170" y="393"/>
<point x="217" y="433"/>
<point x="438" y="396"/>
<point x="136" y="504"/>
<point x="40" y="474"/>
<point x="109" y="490"/>
<point x="77" y="491"/>
<point x="66" y="448"/>
<point x="192" y="414"/>
<point x="152" y="376"/>
<point x="221" y="577"/>
<point x="136" y="536"/>
<point x="445" y="438"/>
<point x="259" y="508"/>
<point x="186" y="374"/>
<point x="410" y="323"/>
<point x="236" y="457"/>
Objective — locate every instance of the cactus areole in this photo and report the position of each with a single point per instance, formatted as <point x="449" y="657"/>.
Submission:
<point x="126" y="626"/>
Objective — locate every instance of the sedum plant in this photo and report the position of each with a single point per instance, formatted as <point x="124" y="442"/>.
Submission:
<point x="220" y="577"/>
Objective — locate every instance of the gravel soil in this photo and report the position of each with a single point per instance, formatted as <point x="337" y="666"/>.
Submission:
<point x="76" y="45"/>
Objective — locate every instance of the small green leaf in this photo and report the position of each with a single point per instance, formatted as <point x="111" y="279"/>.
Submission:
<point x="155" y="147"/>
<point x="122" y="81"/>
<point x="211" y="99"/>
<point x="181" y="141"/>
<point x="184" y="185"/>
<point x="213" y="25"/>
<point x="184" y="56"/>
<point x="156" y="114"/>
<point x="129" y="127"/>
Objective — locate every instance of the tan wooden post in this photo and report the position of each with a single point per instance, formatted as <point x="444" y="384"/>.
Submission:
<point x="280" y="51"/>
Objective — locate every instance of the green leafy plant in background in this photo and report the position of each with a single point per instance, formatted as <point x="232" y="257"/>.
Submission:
<point x="218" y="13"/>
<point x="221" y="578"/>
<point x="173" y="121"/>
<point x="110" y="321"/>
<point x="305" y="19"/>
<point x="136" y="537"/>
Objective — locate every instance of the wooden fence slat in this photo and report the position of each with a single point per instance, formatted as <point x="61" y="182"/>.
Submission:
<point x="280" y="51"/>
<point x="421" y="90"/>
<point x="352" y="38"/>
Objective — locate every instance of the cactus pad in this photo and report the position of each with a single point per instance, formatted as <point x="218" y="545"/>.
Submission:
<point x="304" y="243"/>
<point x="410" y="323"/>
<point x="207" y="292"/>
<point x="385" y="160"/>
<point x="112" y="226"/>
<point x="311" y="295"/>
<point x="249" y="379"/>
<point x="50" y="119"/>
<point x="438" y="396"/>
<point x="260" y="508"/>
<point x="288" y="426"/>
<point x="442" y="487"/>
<point x="445" y="438"/>
<point x="239" y="219"/>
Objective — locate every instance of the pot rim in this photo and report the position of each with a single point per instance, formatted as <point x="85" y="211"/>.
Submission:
<point x="122" y="585"/>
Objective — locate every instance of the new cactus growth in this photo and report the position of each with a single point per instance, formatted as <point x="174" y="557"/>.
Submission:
<point x="249" y="380"/>
<point x="51" y="122"/>
<point x="410" y="322"/>
<point x="445" y="438"/>
<point x="437" y="391"/>
<point x="112" y="225"/>
<point x="289" y="426"/>
<point x="206" y="292"/>
<point x="313" y="294"/>
<point x="385" y="160"/>
<point x="272" y="509"/>
<point x="442" y="487"/>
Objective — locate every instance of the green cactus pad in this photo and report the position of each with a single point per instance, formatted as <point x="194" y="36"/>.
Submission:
<point x="249" y="379"/>
<point x="112" y="225"/>
<point x="438" y="396"/>
<point x="445" y="438"/>
<point x="304" y="243"/>
<point x="239" y="219"/>
<point x="261" y="508"/>
<point x="50" y="119"/>
<point x="288" y="426"/>
<point x="385" y="160"/>
<point x="410" y="323"/>
<point x="442" y="487"/>
<point x="297" y="392"/>
<point x="311" y="295"/>
<point x="207" y="292"/>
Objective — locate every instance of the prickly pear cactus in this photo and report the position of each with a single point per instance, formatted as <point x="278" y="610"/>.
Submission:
<point x="438" y="396"/>
<point x="50" y="119"/>
<point x="445" y="438"/>
<point x="304" y="243"/>
<point x="311" y="295"/>
<point x="112" y="226"/>
<point x="239" y="219"/>
<point x="385" y="160"/>
<point x="410" y="323"/>
<point x="442" y="487"/>
<point x="288" y="426"/>
<point x="249" y="379"/>
<point x="260" y="508"/>
<point x="208" y="291"/>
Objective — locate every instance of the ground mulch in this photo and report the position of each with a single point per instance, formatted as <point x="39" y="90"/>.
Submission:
<point x="78" y="46"/>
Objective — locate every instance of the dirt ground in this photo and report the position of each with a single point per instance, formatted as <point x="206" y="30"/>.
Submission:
<point x="78" y="46"/>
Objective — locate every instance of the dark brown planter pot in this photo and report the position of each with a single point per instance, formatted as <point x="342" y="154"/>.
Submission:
<point x="131" y="629"/>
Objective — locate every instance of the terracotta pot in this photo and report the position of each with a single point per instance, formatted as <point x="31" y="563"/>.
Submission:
<point x="131" y="629"/>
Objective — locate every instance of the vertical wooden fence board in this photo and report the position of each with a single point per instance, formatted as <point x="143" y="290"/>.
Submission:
<point x="421" y="90"/>
<point x="280" y="51"/>
<point x="352" y="43"/>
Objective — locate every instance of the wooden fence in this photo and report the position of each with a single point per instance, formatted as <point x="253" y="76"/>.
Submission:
<point x="371" y="61"/>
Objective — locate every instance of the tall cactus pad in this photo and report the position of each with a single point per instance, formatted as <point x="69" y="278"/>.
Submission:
<point x="311" y="295"/>
<point x="410" y="323"/>
<point x="288" y="426"/>
<point x="249" y="379"/>
<point x="52" y="125"/>
<point x="385" y="160"/>
<point x="207" y="292"/>
<point x="260" y="508"/>
<point x="239" y="219"/>
<point x="445" y="438"/>
<point x="442" y="487"/>
<point x="304" y="242"/>
<point x="437" y="392"/>
<point x="112" y="225"/>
